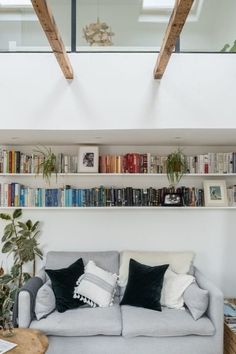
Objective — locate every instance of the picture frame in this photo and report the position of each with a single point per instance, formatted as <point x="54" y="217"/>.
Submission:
<point x="173" y="200"/>
<point x="88" y="158"/>
<point x="215" y="193"/>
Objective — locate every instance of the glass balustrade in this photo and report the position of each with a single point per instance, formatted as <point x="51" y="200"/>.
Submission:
<point x="118" y="25"/>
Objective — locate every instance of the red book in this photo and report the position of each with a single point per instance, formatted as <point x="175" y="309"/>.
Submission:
<point x="125" y="164"/>
<point x="10" y="162"/>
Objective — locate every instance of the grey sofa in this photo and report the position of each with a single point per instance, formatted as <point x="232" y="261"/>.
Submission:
<point x="126" y="329"/>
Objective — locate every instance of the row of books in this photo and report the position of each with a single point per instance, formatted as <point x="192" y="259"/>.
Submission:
<point x="12" y="161"/>
<point x="149" y="163"/>
<point x="18" y="195"/>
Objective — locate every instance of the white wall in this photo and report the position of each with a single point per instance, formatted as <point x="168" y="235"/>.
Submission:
<point x="112" y="91"/>
<point x="117" y="91"/>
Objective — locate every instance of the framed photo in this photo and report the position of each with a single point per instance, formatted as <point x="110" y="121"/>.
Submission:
<point x="173" y="199"/>
<point x="215" y="193"/>
<point x="88" y="159"/>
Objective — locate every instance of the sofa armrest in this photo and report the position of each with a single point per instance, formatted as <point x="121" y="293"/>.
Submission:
<point x="215" y="309"/>
<point x="23" y="311"/>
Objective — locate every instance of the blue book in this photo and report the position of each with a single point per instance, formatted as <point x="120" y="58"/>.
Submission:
<point x="55" y="197"/>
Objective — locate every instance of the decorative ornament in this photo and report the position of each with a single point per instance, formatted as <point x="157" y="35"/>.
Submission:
<point x="98" y="34"/>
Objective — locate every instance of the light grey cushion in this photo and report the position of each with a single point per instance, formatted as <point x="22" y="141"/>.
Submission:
<point x="106" y="260"/>
<point x="84" y="321"/>
<point x="168" y="323"/>
<point x="196" y="299"/>
<point x="45" y="301"/>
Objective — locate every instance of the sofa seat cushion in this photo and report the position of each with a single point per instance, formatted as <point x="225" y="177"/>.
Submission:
<point x="168" y="323"/>
<point x="83" y="321"/>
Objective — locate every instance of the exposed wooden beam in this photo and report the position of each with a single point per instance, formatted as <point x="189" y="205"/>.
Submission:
<point x="174" y="28"/>
<point x="49" y="26"/>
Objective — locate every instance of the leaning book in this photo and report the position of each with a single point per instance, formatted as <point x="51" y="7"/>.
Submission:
<point x="6" y="346"/>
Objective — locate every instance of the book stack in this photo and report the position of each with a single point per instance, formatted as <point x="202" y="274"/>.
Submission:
<point x="18" y="195"/>
<point x="230" y="315"/>
<point x="212" y="163"/>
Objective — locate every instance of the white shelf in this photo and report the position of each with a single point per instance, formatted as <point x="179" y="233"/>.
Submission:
<point x="120" y="208"/>
<point x="116" y="175"/>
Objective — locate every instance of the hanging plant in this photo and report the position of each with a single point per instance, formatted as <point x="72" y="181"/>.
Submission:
<point x="49" y="164"/>
<point x="176" y="167"/>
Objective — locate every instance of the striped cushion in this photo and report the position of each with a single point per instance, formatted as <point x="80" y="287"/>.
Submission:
<point x="96" y="286"/>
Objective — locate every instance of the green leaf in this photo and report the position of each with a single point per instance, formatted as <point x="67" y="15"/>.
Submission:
<point x="26" y="276"/>
<point x="29" y="224"/>
<point x="17" y="213"/>
<point x="7" y="247"/>
<point x="36" y="234"/>
<point x="7" y="236"/>
<point x="15" y="270"/>
<point x="22" y="225"/>
<point x="5" y="279"/>
<point x="8" y="228"/>
<point x="5" y="216"/>
<point x="38" y="252"/>
<point x="34" y="227"/>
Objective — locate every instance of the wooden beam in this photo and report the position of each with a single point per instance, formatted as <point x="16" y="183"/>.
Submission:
<point x="49" y="26"/>
<point x="174" y="28"/>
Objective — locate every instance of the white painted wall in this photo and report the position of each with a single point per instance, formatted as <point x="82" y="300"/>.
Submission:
<point x="117" y="91"/>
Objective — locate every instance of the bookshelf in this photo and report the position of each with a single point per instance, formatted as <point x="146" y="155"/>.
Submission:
<point x="116" y="180"/>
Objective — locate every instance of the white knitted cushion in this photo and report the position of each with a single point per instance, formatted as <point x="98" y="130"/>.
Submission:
<point x="96" y="286"/>
<point x="173" y="289"/>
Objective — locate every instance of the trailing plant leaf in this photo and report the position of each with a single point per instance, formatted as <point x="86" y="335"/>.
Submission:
<point x="49" y="164"/>
<point x="176" y="166"/>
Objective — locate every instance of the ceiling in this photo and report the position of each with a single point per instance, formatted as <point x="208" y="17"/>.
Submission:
<point x="183" y="137"/>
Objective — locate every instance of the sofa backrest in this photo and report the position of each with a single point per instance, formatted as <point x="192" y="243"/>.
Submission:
<point x="108" y="260"/>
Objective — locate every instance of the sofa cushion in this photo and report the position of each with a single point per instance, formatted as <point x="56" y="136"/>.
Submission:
<point x="45" y="301"/>
<point x="96" y="286"/>
<point x="84" y="321"/>
<point x="107" y="260"/>
<point x="180" y="262"/>
<point x="173" y="289"/>
<point x="168" y="323"/>
<point x="196" y="300"/>
<point x="144" y="285"/>
<point x="63" y="283"/>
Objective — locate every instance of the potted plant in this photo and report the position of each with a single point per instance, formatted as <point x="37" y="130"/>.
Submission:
<point x="49" y="164"/>
<point x="20" y="240"/>
<point x="176" y="167"/>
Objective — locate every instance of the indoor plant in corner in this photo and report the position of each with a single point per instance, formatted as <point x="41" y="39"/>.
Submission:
<point x="19" y="239"/>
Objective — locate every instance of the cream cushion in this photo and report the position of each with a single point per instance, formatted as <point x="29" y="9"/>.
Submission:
<point x="173" y="289"/>
<point x="179" y="262"/>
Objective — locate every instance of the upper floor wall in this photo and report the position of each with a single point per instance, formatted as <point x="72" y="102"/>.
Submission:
<point x="117" y="91"/>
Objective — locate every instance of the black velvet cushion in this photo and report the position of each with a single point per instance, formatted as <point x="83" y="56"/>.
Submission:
<point x="144" y="285"/>
<point x="63" y="284"/>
